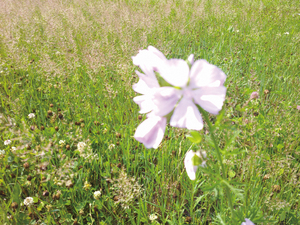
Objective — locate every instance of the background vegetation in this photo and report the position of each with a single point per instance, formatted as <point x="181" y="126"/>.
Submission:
<point x="69" y="63"/>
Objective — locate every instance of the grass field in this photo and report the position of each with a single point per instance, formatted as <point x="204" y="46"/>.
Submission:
<point x="69" y="63"/>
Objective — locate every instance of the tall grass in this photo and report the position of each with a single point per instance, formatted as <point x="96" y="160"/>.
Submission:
<point x="69" y="63"/>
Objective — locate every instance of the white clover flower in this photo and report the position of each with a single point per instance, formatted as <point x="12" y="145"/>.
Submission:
<point x="7" y="142"/>
<point x="97" y="194"/>
<point x="111" y="146"/>
<point x="31" y="115"/>
<point x="153" y="217"/>
<point x="287" y="33"/>
<point x="62" y="142"/>
<point x="81" y="146"/>
<point x="28" y="201"/>
<point x="13" y="148"/>
<point x="2" y="152"/>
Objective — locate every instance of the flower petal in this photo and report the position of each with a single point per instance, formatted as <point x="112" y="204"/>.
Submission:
<point x="204" y="74"/>
<point x="186" y="115"/>
<point x="145" y="84"/>
<point x="191" y="59"/>
<point x="210" y="99"/>
<point x="248" y="222"/>
<point x="151" y="131"/>
<point x="165" y="99"/>
<point x="175" y="72"/>
<point x="157" y="52"/>
<point x="188" y="164"/>
<point x="148" y="61"/>
<point x="145" y="102"/>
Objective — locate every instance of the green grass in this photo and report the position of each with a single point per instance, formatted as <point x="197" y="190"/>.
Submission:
<point x="76" y="55"/>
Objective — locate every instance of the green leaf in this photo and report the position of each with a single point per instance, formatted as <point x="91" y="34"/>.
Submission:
<point x="41" y="206"/>
<point x="16" y="193"/>
<point x="282" y="216"/>
<point x="195" y="137"/>
<point x="35" y="199"/>
<point x="219" y="118"/>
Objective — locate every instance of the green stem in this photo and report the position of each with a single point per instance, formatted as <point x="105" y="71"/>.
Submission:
<point x="219" y="156"/>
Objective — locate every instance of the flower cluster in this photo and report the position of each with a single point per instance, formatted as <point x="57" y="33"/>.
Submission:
<point x="97" y="194"/>
<point x="86" y="151"/>
<point x="31" y="115"/>
<point x="153" y="217"/>
<point x="7" y="142"/>
<point x="126" y="189"/>
<point x="62" y="142"/>
<point x="28" y="201"/>
<point x="172" y="88"/>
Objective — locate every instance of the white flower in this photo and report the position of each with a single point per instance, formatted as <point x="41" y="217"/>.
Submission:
<point x="287" y="33"/>
<point x="248" y="222"/>
<point x="81" y="146"/>
<point x="31" y="115"/>
<point x="97" y="194"/>
<point x="7" y="142"/>
<point x="2" y="152"/>
<point x="62" y="142"/>
<point x="28" y="201"/>
<point x="153" y="217"/>
<point x="13" y="148"/>
<point x="111" y="146"/>
<point x="189" y="161"/>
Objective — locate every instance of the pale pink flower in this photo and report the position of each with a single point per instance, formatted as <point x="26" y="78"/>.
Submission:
<point x="148" y="61"/>
<point x="151" y="131"/>
<point x="189" y="165"/>
<point x="298" y="107"/>
<point x="248" y="222"/>
<point x="201" y="84"/>
<point x="254" y="95"/>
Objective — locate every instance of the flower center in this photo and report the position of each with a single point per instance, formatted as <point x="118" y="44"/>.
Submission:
<point x="187" y="93"/>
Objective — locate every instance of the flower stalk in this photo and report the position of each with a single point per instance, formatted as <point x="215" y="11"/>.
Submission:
<point x="219" y="156"/>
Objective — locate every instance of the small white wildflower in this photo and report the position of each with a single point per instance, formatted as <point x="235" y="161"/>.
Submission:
<point x="7" y="142"/>
<point x="81" y="146"/>
<point x="28" y="201"/>
<point x="153" y="217"/>
<point x="62" y="142"/>
<point x="104" y="131"/>
<point x="287" y="33"/>
<point x="111" y="146"/>
<point x="87" y="185"/>
<point x="69" y="184"/>
<point x="97" y="194"/>
<point x="2" y="152"/>
<point x="13" y="148"/>
<point x="31" y="115"/>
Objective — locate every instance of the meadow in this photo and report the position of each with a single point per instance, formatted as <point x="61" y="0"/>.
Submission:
<point x="67" y="115"/>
